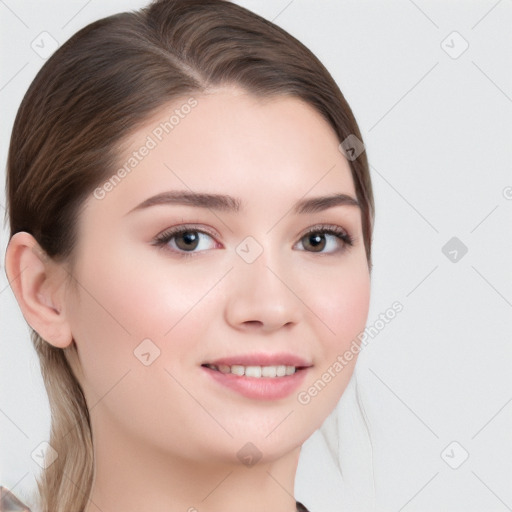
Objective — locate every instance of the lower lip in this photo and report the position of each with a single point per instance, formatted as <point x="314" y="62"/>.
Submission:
<point x="259" y="388"/>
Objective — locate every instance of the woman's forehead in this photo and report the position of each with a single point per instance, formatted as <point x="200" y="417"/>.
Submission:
<point x="224" y="135"/>
<point x="232" y="144"/>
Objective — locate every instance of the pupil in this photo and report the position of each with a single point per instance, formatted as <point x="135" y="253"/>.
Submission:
<point x="316" y="240"/>
<point x="190" y="238"/>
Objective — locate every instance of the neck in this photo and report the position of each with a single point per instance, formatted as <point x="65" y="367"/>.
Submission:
<point x="133" y="476"/>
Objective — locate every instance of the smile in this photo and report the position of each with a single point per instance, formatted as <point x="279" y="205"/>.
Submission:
<point x="255" y="371"/>
<point x="257" y="382"/>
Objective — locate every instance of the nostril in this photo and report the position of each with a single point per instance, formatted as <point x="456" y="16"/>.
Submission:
<point x="253" y="322"/>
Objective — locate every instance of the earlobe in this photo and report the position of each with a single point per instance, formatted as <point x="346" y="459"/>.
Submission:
<point x="38" y="284"/>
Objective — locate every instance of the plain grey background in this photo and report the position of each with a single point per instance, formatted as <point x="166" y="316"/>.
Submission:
<point x="430" y="85"/>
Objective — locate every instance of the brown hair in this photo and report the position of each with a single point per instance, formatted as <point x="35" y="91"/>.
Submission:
<point x="94" y="91"/>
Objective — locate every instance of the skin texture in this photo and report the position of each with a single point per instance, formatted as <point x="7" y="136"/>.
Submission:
<point x="166" y="435"/>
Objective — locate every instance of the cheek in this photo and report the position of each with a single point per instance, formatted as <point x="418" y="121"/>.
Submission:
<point x="122" y="303"/>
<point x="341" y="302"/>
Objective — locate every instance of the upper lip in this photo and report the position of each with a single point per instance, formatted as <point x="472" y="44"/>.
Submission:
<point x="278" y="359"/>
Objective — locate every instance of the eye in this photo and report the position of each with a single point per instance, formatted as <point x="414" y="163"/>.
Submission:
<point x="188" y="240"/>
<point x="334" y="238"/>
<point x="185" y="240"/>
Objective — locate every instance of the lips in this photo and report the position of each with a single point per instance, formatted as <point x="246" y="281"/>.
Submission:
<point x="258" y="385"/>
<point x="266" y="380"/>
<point x="278" y="359"/>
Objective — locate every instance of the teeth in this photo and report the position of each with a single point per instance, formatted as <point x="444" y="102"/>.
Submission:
<point x="252" y="371"/>
<point x="269" y="371"/>
<point x="237" y="369"/>
<point x="255" y="371"/>
<point x="281" y="371"/>
<point x="224" y="368"/>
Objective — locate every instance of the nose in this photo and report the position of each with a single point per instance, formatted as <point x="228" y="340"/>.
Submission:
<point x="261" y="296"/>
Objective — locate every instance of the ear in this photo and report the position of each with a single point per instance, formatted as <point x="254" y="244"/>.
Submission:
<point x="39" y="285"/>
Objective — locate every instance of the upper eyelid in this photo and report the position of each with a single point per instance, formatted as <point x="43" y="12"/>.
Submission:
<point x="176" y="230"/>
<point x="199" y="228"/>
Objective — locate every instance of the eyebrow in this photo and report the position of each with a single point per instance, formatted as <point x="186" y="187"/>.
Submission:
<point x="227" y="203"/>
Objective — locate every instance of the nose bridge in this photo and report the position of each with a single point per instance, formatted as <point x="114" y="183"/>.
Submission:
<point x="256" y="267"/>
<point x="259" y="291"/>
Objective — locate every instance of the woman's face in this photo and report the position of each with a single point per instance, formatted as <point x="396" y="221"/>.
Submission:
<point x="246" y="279"/>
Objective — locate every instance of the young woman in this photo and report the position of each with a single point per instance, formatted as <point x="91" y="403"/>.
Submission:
<point x="190" y="217"/>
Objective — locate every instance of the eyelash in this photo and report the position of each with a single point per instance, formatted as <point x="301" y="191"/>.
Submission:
<point x="164" y="238"/>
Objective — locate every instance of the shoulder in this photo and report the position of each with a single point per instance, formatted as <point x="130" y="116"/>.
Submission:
<point x="10" y="502"/>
